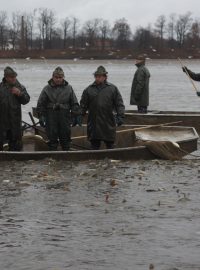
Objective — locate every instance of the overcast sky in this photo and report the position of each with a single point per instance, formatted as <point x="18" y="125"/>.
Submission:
<point x="137" y="12"/>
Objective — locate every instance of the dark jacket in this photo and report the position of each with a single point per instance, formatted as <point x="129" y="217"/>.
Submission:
<point x="58" y="104"/>
<point x="10" y="109"/>
<point x="101" y="102"/>
<point x="140" y="87"/>
<point x="62" y="96"/>
<point x="194" y="76"/>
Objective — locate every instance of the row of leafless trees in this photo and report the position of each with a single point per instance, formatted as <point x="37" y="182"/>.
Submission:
<point x="180" y="31"/>
<point x="41" y="29"/>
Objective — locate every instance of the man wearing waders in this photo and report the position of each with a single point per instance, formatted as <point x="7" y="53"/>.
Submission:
<point x="103" y="101"/>
<point x="140" y="86"/>
<point x="56" y="104"/>
<point x="12" y="95"/>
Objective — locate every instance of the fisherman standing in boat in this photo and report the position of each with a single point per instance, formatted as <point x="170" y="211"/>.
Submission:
<point x="12" y="96"/>
<point x="55" y="105"/>
<point x="140" y="86"/>
<point x="101" y="99"/>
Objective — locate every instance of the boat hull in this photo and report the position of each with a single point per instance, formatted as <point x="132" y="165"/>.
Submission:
<point x="189" y="119"/>
<point x="126" y="145"/>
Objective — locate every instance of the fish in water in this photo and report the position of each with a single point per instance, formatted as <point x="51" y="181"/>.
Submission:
<point x="151" y="267"/>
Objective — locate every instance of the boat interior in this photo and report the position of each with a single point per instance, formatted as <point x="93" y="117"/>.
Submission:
<point x="126" y="136"/>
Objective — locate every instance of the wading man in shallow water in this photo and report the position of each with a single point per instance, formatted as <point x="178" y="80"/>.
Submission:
<point x="56" y="103"/>
<point x="12" y="96"/>
<point x="101" y="99"/>
<point x="140" y="86"/>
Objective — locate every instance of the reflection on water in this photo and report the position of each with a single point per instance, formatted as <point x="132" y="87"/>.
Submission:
<point x="99" y="215"/>
<point x="170" y="89"/>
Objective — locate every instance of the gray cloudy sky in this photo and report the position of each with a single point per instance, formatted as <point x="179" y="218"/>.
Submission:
<point x="137" y="12"/>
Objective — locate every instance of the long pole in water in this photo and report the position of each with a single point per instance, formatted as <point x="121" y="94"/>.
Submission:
<point x="193" y="84"/>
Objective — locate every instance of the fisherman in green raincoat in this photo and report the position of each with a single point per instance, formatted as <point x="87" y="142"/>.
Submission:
<point x="12" y="95"/>
<point x="56" y="105"/>
<point x="105" y="107"/>
<point x="140" y="86"/>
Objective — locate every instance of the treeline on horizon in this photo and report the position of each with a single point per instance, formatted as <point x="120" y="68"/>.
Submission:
<point x="41" y="29"/>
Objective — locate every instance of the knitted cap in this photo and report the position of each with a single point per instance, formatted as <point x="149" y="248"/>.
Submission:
<point x="9" y="72"/>
<point x="58" y="71"/>
<point x="101" y="71"/>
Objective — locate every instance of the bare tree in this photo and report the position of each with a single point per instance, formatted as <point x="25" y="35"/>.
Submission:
<point x="122" y="32"/>
<point x="104" y="32"/>
<point x="30" y="25"/>
<point x="15" y="29"/>
<point x="182" y="26"/>
<point x="75" y="24"/>
<point x="171" y="29"/>
<point x="143" y="38"/>
<point x="3" y="29"/>
<point x="160" y="29"/>
<point x="66" y="23"/>
<point x="194" y="34"/>
<point x="46" y="22"/>
<point x="91" y="29"/>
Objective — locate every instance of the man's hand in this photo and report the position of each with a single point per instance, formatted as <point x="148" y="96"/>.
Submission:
<point x="77" y="120"/>
<point x="15" y="91"/>
<point x="42" y="121"/>
<point x="119" y="120"/>
<point x="185" y="69"/>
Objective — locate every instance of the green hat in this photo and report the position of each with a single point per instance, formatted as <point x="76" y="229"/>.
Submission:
<point x="141" y="57"/>
<point x="8" y="71"/>
<point x="59" y="71"/>
<point x="101" y="71"/>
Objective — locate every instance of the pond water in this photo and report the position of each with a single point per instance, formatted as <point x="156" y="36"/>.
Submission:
<point x="170" y="89"/>
<point x="99" y="215"/>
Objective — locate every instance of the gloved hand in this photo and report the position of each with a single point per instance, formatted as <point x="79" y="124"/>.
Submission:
<point x="77" y="120"/>
<point x="198" y="93"/>
<point x="119" y="120"/>
<point x="42" y="121"/>
<point x="185" y="69"/>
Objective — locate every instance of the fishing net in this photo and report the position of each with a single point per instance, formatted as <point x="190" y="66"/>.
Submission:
<point x="163" y="149"/>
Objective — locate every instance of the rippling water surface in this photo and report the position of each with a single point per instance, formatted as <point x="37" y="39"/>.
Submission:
<point x="170" y="89"/>
<point x="99" y="215"/>
<point x="102" y="215"/>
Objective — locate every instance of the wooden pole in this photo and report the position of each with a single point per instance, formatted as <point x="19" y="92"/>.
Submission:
<point x="138" y="128"/>
<point x="34" y="123"/>
<point x="149" y="126"/>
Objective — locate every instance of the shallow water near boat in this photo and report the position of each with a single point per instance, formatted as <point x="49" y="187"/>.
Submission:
<point x="99" y="215"/>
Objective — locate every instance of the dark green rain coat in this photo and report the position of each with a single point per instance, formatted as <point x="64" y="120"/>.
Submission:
<point x="194" y="76"/>
<point x="56" y="104"/>
<point x="140" y="87"/>
<point x="10" y="110"/>
<point x="102" y="102"/>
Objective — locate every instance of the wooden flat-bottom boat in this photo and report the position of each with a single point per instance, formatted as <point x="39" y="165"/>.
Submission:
<point x="128" y="145"/>
<point x="189" y="119"/>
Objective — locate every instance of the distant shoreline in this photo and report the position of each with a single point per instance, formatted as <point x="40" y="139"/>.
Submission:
<point x="80" y="54"/>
